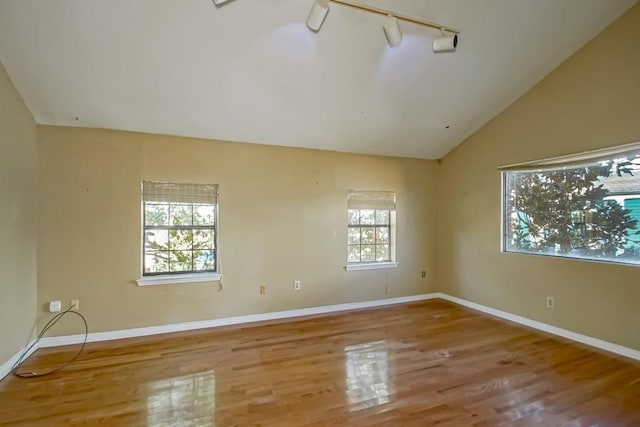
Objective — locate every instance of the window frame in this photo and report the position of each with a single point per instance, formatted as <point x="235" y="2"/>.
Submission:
<point x="381" y="204"/>
<point x="587" y="160"/>
<point x="185" y="276"/>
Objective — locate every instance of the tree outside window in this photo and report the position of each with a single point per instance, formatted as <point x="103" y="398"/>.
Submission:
<point x="575" y="211"/>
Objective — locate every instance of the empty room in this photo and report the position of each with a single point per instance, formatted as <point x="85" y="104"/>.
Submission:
<point x="320" y="213"/>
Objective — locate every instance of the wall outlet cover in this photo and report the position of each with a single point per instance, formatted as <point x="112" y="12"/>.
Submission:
<point x="55" y="306"/>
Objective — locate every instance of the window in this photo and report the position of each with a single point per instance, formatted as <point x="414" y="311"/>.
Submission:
<point x="179" y="228"/>
<point x="371" y="229"/>
<point x="585" y="208"/>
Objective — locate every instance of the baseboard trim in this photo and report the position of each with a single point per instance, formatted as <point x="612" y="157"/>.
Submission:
<point x="6" y="367"/>
<point x="236" y="320"/>
<point x="187" y="326"/>
<point x="573" y="336"/>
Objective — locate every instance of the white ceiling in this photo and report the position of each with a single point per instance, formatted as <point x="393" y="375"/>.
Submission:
<point x="251" y="70"/>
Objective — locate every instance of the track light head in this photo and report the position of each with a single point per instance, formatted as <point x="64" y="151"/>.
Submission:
<point x="445" y="43"/>
<point x="392" y="31"/>
<point x="317" y="14"/>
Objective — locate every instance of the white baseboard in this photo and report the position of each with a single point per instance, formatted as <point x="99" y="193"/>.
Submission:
<point x="187" y="326"/>
<point x="6" y="367"/>
<point x="178" y="327"/>
<point x="573" y="336"/>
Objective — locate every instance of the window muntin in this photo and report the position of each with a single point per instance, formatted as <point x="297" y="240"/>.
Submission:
<point x="369" y="235"/>
<point x="370" y="227"/>
<point x="586" y="211"/>
<point x="179" y="228"/>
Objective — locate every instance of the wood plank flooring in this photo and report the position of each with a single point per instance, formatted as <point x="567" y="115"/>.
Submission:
<point x="419" y="364"/>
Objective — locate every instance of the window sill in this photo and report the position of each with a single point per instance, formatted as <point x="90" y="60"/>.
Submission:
<point x="371" y="266"/>
<point x="176" y="279"/>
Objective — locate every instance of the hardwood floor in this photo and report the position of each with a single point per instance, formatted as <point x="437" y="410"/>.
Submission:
<point x="417" y="364"/>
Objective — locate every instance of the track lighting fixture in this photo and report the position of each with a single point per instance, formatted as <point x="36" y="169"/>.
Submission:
<point x="320" y="8"/>
<point x="446" y="43"/>
<point x="392" y="31"/>
<point x="317" y="14"/>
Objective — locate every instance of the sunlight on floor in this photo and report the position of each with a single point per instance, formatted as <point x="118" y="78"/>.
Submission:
<point x="367" y="375"/>
<point x="188" y="400"/>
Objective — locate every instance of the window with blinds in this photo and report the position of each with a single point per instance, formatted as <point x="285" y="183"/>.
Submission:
<point x="179" y="228"/>
<point x="371" y="223"/>
<point x="583" y="206"/>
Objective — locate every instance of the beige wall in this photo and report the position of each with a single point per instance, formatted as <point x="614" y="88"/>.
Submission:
<point x="18" y="196"/>
<point x="590" y="101"/>
<point x="282" y="218"/>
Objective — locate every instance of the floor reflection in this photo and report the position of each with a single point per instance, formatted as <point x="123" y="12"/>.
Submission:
<point x="189" y="400"/>
<point x="367" y="375"/>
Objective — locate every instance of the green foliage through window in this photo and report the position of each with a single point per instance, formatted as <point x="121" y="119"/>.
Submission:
<point x="179" y="237"/>
<point x="575" y="211"/>
<point x="368" y="238"/>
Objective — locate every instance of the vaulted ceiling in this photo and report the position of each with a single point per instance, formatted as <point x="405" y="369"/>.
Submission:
<point x="252" y="71"/>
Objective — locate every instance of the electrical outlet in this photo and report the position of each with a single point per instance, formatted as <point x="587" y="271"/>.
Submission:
<point x="297" y="285"/>
<point x="55" y="306"/>
<point x="263" y="289"/>
<point x="424" y="274"/>
<point x="75" y="303"/>
<point x="551" y="302"/>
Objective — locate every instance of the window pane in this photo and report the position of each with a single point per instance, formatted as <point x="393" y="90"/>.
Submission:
<point x="382" y="235"/>
<point x="156" y="239"/>
<point x="382" y="253"/>
<point x="156" y="261"/>
<point x="204" y="260"/>
<point x="354" y="217"/>
<point x="204" y="214"/>
<point x="368" y="235"/>
<point x="367" y="216"/>
<point x="180" y="214"/>
<point x="382" y="217"/>
<point x="353" y="254"/>
<point x="180" y="239"/>
<point x="368" y="253"/>
<point x="180" y="260"/>
<point x="203" y="239"/>
<point x="576" y="211"/>
<point x="156" y="213"/>
<point x="354" y="236"/>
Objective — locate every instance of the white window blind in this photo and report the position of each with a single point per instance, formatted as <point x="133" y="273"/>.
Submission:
<point x="168" y="192"/>
<point x="379" y="200"/>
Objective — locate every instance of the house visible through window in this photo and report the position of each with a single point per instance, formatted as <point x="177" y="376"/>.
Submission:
<point x="371" y="225"/>
<point x="179" y="228"/>
<point x="584" y="208"/>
